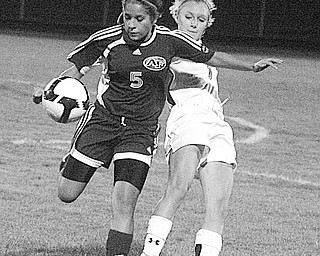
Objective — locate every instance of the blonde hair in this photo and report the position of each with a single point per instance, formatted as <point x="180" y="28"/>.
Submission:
<point x="177" y="4"/>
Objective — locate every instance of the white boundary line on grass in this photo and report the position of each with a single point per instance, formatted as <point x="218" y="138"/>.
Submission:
<point x="55" y="144"/>
<point x="259" y="134"/>
<point x="281" y="177"/>
<point x="18" y="81"/>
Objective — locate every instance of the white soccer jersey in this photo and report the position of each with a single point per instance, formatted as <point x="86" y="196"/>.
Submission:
<point x="195" y="84"/>
<point x="197" y="116"/>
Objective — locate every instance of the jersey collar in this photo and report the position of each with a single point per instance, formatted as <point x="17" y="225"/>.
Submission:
<point x="136" y="44"/>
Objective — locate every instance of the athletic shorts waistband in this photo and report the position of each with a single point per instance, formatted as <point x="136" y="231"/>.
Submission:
<point x="123" y="120"/>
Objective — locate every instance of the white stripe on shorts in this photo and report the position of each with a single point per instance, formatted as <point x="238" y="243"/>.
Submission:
<point x="84" y="159"/>
<point x="132" y="155"/>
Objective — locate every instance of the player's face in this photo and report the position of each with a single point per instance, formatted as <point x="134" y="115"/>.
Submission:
<point x="137" y="22"/>
<point x="193" y="18"/>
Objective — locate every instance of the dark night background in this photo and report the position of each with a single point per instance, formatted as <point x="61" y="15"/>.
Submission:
<point x="294" y="22"/>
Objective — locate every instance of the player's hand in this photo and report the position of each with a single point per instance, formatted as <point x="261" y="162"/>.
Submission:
<point x="37" y="95"/>
<point x="264" y="63"/>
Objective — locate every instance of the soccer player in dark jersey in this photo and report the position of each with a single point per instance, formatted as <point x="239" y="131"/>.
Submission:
<point x="122" y="124"/>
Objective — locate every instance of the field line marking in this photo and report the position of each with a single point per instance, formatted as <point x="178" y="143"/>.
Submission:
<point x="280" y="177"/>
<point x="55" y="144"/>
<point x="17" y="81"/>
<point x="34" y="142"/>
<point x="268" y="176"/>
<point x="259" y="134"/>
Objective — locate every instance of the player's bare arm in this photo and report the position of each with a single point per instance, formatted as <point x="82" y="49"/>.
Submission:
<point x="264" y="63"/>
<point x="72" y="72"/>
<point x="225" y="60"/>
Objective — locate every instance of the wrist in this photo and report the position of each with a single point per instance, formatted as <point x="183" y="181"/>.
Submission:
<point x="37" y="99"/>
<point x="254" y="68"/>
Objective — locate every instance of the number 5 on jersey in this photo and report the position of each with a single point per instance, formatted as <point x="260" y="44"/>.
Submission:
<point x="135" y="79"/>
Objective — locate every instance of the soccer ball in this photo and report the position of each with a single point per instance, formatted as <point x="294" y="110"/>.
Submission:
<point x="65" y="99"/>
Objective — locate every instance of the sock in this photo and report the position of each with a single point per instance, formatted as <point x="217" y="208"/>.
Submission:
<point x="208" y="243"/>
<point x="158" y="230"/>
<point x="118" y="243"/>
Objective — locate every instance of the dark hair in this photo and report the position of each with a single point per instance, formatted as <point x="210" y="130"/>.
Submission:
<point x="153" y="7"/>
<point x="157" y="3"/>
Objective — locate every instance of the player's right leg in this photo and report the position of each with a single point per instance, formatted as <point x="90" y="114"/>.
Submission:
<point x="75" y="176"/>
<point x="88" y="152"/>
<point x="69" y="190"/>
<point x="183" y="164"/>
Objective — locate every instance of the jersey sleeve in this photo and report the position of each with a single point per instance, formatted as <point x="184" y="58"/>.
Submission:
<point x="188" y="48"/>
<point x="87" y="53"/>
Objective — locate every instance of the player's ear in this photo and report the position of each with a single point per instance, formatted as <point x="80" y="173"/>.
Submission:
<point x="155" y="21"/>
<point x="175" y="17"/>
<point x="157" y="17"/>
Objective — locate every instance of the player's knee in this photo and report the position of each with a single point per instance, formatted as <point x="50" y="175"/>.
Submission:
<point x="124" y="199"/>
<point x="69" y="190"/>
<point x="132" y="171"/>
<point x="75" y="170"/>
<point x="218" y="207"/>
<point x="67" y="194"/>
<point x="67" y="197"/>
<point x="222" y="203"/>
<point x="75" y="175"/>
<point x="177" y="190"/>
<point x="123" y="213"/>
<point x="123" y="207"/>
<point x="221" y="198"/>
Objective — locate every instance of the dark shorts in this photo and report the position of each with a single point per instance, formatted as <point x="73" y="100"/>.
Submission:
<point x="101" y="137"/>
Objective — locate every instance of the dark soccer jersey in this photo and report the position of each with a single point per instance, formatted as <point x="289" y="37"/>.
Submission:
<point x="134" y="81"/>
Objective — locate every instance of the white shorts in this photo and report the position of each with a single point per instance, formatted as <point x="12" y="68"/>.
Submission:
<point x="194" y="125"/>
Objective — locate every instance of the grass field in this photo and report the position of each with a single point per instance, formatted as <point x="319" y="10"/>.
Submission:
<point x="275" y="205"/>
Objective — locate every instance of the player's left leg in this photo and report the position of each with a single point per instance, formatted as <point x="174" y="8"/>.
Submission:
<point x="217" y="181"/>
<point x="129" y="178"/>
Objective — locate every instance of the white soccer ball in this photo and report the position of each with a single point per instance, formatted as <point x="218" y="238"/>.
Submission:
<point x="65" y="99"/>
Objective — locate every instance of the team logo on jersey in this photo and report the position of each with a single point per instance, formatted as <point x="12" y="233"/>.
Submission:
<point x="155" y="63"/>
<point x="204" y="49"/>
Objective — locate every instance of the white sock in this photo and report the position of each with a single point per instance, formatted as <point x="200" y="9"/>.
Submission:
<point x="208" y="243"/>
<point x="158" y="230"/>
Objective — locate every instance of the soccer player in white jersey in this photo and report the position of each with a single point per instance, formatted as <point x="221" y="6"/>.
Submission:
<point x="198" y="140"/>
